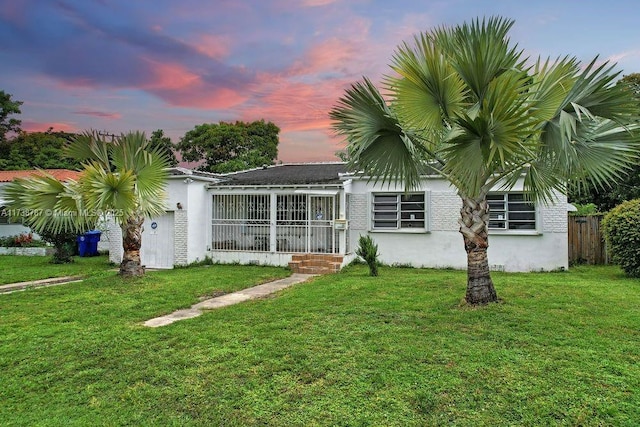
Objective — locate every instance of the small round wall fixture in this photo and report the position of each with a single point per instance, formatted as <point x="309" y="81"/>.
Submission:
<point x="154" y="225"/>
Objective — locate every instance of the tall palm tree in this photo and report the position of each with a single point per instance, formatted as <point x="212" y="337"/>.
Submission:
<point x="124" y="178"/>
<point x="467" y="103"/>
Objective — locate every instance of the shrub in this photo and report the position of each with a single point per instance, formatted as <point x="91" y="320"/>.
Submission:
<point x="368" y="251"/>
<point x="584" y="210"/>
<point x="64" y="243"/>
<point x="622" y="234"/>
<point x="24" y="240"/>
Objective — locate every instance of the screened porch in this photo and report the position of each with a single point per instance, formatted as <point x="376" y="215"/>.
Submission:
<point x="272" y="222"/>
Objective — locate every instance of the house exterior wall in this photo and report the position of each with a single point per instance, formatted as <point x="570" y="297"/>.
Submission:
<point x="441" y="244"/>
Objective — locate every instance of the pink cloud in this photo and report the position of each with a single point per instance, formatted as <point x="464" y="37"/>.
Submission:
<point x="316" y="3"/>
<point x="216" y="47"/>
<point x="202" y="96"/>
<point x="623" y="55"/>
<point x="178" y="86"/>
<point x="293" y="105"/>
<point x="308" y="146"/>
<point x="99" y="114"/>
<point x="169" y="76"/>
<point x="332" y="55"/>
<point x="13" y="11"/>
<point x="31" y="126"/>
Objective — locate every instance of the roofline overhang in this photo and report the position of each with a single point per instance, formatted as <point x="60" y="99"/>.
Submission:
<point x="276" y="186"/>
<point x="194" y="178"/>
<point x="355" y="176"/>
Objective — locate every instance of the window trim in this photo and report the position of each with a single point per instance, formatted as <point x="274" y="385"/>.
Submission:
<point x="399" y="229"/>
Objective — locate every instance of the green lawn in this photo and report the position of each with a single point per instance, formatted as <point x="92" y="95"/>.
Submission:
<point x="24" y="268"/>
<point x="343" y="349"/>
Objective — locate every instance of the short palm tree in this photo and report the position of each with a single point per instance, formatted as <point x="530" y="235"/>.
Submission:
<point x="123" y="178"/>
<point x="465" y="102"/>
<point x="50" y="208"/>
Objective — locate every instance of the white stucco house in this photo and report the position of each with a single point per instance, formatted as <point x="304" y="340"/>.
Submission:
<point x="283" y="213"/>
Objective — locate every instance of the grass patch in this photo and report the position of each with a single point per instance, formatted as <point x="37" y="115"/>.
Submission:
<point x="26" y="268"/>
<point x="344" y="349"/>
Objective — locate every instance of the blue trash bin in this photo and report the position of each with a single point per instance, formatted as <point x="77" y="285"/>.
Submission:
<point x="82" y="245"/>
<point x="93" y="237"/>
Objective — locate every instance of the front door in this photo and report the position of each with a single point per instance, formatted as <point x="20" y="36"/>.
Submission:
<point x="320" y="232"/>
<point x="157" y="242"/>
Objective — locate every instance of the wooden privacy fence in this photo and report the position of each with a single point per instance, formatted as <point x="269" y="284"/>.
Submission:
<point x="586" y="240"/>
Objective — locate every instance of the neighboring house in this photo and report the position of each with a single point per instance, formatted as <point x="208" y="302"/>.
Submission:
<point x="7" y="228"/>
<point x="271" y="214"/>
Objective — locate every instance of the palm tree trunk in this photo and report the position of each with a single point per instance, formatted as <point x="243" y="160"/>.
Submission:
<point x="131" y="243"/>
<point x="473" y="226"/>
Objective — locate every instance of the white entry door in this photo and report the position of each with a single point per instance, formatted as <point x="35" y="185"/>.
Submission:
<point x="157" y="242"/>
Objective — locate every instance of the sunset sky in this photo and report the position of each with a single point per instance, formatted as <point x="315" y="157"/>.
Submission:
<point x="120" y="65"/>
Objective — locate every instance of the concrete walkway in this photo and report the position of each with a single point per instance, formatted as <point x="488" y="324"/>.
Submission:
<point x="228" y="299"/>
<point x="20" y="286"/>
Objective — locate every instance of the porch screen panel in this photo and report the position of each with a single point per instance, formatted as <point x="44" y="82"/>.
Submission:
<point x="322" y="236"/>
<point x="240" y="222"/>
<point x="291" y="222"/>
<point x="304" y="223"/>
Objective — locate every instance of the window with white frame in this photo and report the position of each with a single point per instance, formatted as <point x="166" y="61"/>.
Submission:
<point x="395" y="211"/>
<point x="511" y="211"/>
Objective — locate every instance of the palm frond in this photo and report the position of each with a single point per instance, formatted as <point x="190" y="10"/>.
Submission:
<point x="46" y="204"/>
<point x="89" y="147"/>
<point x="132" y="153"/>
<point x="377" y="144"/>
<point x="480" y="52"/>
<point x="550" y="86"/>
<point x="107" y="191"/>
<point x="429" y="91"/>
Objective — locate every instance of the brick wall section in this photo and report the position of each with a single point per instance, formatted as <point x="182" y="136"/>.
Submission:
<point x="445" y="211"/>
<point x="359" y="212"/>
<point x="180" y="237"/>
<point x="554" y="217"/>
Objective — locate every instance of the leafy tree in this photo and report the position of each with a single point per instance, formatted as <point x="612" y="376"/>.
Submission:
<point x="608" y="196"/>
<point x="632" y="83"/>
<point x="8" y="107"/>
<point x="124" y="177"/>
<point x="44" y="150"/>
<point x="228" y="147"/>
<point x="466" y="100"/>
<point x="166" y="147"/>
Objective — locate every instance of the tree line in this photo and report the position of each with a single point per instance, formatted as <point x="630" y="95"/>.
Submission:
<point x="216" y="147"/>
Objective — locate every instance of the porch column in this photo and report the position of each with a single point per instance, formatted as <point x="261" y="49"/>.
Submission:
<point x="342" y="214"/>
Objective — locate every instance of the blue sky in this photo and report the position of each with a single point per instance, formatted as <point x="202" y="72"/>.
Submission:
<point x="120" y="65"/>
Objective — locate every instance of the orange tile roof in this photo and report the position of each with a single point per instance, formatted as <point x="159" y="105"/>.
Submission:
<point x="59" y="174"/>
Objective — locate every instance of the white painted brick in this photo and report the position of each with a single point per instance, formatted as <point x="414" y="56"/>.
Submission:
<point x="554" y="217"/>
<point x="445" y="211"/>
<point x="180" y="237"/>
<point x="359" y="212"/>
